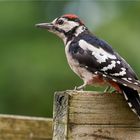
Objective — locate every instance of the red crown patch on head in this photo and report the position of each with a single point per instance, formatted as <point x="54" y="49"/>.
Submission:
<point x="70" y="16"/>
<point x="73" y="17"/>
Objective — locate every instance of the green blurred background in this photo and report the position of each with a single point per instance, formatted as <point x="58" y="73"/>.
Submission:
<point x="32" y="61"/>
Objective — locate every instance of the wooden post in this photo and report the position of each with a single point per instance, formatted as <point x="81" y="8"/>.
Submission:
<point x="85" y="115"/>
<point x="14" y="127"/>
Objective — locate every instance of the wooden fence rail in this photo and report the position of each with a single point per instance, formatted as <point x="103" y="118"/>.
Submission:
<point x="25" y="128"/>
<point x="93" y="116"/>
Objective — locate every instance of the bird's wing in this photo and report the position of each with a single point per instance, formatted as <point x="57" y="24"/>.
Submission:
<point x="99" y="58"/>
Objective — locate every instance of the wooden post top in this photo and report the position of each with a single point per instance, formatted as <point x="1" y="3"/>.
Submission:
<point x="98" y="108"/>
<point x="85" y="114"/>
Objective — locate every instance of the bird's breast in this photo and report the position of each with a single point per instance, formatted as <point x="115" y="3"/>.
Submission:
<point x="81" y="70"/>
<point x="74" y="64"/>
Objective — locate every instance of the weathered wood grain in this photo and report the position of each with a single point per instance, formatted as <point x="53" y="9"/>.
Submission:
<point x="60" y="115"/>
<point x="25" y="128"/>
<point x="85" y="115"/>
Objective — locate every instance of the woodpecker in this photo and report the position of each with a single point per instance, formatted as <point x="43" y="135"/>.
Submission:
<point x="94" y="60"/>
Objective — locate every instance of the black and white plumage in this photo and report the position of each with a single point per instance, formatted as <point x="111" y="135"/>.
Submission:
<point x="93" y="60"/>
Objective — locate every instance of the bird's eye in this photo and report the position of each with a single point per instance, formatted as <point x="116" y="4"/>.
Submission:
<point x="60" y="22"/>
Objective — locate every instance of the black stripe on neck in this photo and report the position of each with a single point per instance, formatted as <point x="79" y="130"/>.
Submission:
<point x="70" y="34"/>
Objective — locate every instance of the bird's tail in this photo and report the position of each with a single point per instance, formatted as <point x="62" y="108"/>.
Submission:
<point x="133" y="98"/>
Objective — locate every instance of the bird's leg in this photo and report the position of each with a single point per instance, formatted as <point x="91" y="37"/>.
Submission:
<point x="82" y="87"/>
<point x="107" y="89"/>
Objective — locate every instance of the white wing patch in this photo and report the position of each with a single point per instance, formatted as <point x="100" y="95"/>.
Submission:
<point x="100" y="54"/>
<point x="136" y="83"/>
<point x="130" y="79"/>
<point x="118" y="62"/>
<point x="121" y="73"/>
<point x="126" y="79"/>
<point x="109" y="67"/>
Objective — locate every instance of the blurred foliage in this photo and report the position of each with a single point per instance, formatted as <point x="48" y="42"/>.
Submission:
<point x="33" y="63"/>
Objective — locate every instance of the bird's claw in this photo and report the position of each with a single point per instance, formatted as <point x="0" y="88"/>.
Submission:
<point x="107" y="89"/>
<point x="110" y="90"/>
<point x="80" y="88"/>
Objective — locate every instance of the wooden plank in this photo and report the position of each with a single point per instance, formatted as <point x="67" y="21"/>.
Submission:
<point x="25" y="128"/>
<point x="84" y="115"/>
<point x="104" y="132"/>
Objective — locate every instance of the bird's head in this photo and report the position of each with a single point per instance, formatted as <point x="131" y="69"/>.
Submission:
<point x="65" y="27"/>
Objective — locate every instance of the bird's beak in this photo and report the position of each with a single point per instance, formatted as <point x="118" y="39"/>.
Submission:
<point x="47" y="26"/>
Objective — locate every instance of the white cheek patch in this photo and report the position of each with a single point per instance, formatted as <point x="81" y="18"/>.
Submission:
<point x="100" y="54"/>
<point x="68" y="25"/>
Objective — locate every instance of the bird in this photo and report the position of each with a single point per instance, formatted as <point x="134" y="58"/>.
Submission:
<point x="94" y="60"/>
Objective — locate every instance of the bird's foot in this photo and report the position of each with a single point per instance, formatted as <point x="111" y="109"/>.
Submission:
<point x="76" y="89"/>
<point x="81" y="88"/>
<point x="107" y="89"/>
